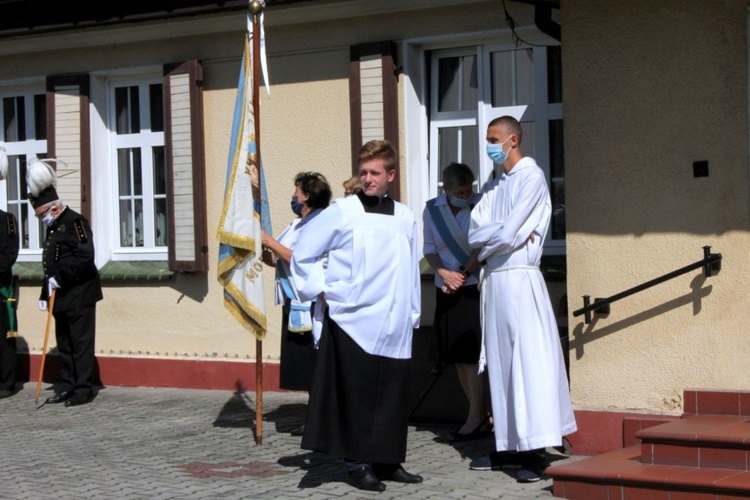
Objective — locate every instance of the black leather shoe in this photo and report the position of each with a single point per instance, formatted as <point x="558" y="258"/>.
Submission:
<point x="365" y="479"/>
<point x="396" y="473"/>
<point x="60" y="397"/>
<point x="78" y="399"/>
<point x="6" y="394"/>
<point x="298" y="431"/>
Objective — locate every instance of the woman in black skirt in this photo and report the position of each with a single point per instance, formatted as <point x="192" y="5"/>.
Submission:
<point x="457" y="324"/>
<point x="312" y="193"/>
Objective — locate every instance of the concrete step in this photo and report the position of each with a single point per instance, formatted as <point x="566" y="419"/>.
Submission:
<point x="621" y="475"/>
<point x="705" y="441"/>
<point x="713" y="402"/>
<point x="705" y="455"/>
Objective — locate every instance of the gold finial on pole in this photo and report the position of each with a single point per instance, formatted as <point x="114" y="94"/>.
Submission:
<point x="256" y="8"/>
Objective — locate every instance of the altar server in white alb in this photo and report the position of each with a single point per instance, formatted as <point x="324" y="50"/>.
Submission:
<point x="359" y="257"/>
<point x="529" y="388"/>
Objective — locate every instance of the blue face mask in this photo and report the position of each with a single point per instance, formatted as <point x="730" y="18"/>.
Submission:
<point x="458" y="202"/>
<point x="496" y="153"/>
<point x="297" y="206"/>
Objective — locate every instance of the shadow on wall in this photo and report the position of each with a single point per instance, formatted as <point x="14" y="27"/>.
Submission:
<point x="583" y="334"/>
<point x="191" y="285"/>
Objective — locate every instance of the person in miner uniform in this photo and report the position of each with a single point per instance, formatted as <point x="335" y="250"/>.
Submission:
<point x="359" y="258"/>
<point x="8" y="329"/>
<point x="70" y="271"/>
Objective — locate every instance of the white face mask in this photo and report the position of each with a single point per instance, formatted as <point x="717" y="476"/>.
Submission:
<point x="48" y="219"/>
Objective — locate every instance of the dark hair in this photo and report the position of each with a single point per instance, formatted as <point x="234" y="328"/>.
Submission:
<point x="457" y="174"/>
<point x="316" y="187"/>
<point x="510" y="125"/>
<point x="377" y="149"/>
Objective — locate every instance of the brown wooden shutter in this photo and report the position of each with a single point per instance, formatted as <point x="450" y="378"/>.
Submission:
<point x="373" y="93"/>
<point x="186" y="177"/>
<point x="68" y="139"/>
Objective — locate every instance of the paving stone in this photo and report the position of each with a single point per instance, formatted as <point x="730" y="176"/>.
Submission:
<point x="162" y="443"/>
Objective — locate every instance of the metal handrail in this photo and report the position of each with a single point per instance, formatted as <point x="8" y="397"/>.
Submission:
<point x="710" y="262"/>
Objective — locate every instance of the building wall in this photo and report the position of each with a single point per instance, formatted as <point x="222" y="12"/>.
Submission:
<point x="649" y="88"/>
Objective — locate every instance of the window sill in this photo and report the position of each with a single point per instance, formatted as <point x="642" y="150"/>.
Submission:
<point x="133" y="270"/>
<point x="28" y="271"/>
<point x="112" y="271"/>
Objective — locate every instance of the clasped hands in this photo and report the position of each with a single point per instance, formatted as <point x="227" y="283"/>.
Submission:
<point x="452" y="280"/>
<point x="52" y="284"/>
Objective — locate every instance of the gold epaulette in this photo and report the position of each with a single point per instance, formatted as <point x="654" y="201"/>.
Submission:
<point x="80" y="231"/>
<point x="11" y="225"/>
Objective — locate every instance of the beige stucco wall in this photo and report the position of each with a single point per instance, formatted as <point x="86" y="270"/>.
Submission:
<point x="649" y="88"/>
<point x="305" y="126"/>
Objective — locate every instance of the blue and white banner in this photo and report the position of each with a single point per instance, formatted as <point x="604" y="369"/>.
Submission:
<point x="245" y="212"/>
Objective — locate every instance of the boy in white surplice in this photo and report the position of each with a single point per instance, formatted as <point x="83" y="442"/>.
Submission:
<point x="369" y="304"/>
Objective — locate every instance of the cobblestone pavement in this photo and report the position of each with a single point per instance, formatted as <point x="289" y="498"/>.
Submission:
<point x="181" y="443"/>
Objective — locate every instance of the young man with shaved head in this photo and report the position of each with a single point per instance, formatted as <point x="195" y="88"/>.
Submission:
<point x="528" y="385"/>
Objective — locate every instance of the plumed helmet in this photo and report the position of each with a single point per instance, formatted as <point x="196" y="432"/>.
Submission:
<point x="41" y="181"/>
<point x="3" y="164"/>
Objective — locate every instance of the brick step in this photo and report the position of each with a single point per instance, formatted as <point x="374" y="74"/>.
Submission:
<point x="713" y="402"/>
<point x="621" y="475"/>
<point x="631" y="426"/>
<point x="705" y="441"/>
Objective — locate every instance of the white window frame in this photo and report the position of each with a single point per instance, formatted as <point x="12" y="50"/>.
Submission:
<point x="448" y="119"/>
<point x="105" y="143"/>
<point x="422" y="173"/>
<point x="29" y="148"/>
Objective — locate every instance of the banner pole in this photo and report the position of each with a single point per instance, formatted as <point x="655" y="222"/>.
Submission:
<point x="256" y="9"/>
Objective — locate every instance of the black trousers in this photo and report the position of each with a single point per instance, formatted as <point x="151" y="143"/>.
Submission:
<point x="7" y="361"/>
<point x="75" y="331"/>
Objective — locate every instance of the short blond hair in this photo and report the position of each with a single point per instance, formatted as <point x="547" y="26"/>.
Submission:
<point x="378" y="149"/>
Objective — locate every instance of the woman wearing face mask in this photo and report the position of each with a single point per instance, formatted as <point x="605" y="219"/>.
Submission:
<point x="312" y="194"/>
<point x="457" y="325"/>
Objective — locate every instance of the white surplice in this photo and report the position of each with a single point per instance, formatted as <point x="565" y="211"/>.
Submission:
<point x="371" y="284"/>
<point x="531" y="405"/>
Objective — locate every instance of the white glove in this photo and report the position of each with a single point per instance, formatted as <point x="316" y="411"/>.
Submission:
<point x="51" y="285"/>
<point x="42" y="304"/>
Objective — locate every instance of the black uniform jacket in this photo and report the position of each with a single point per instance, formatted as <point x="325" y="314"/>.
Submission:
<point x="69" y="258"/>
<point x="8" y="246"/>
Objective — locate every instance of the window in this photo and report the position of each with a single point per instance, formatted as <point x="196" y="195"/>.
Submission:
<point x="138" y="143"/>
<point x="471" y="86"/>
<point x="148" y="183"/>
<point x="454" y="134"/>
<point x="24" y="135"/>
<point x="132" y="143"/>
